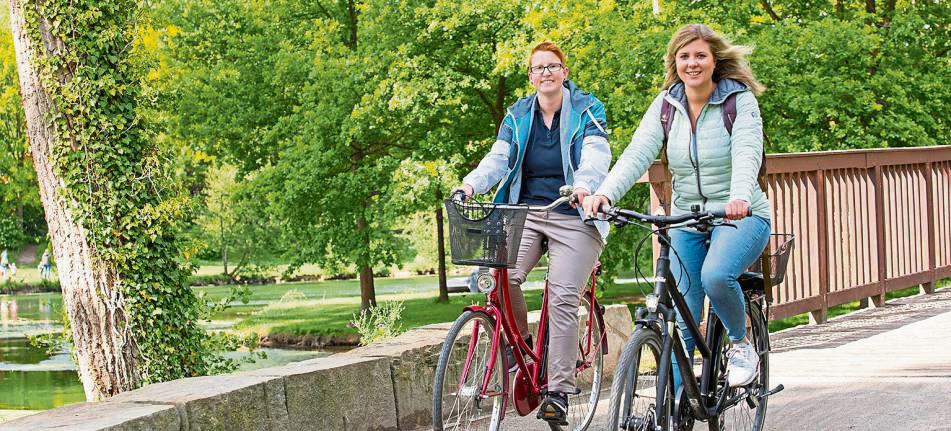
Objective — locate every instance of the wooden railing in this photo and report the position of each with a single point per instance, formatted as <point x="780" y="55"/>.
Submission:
<point x="866" y="222"/>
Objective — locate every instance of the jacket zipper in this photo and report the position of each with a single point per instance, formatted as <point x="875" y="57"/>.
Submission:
<point x="694" y="153"/>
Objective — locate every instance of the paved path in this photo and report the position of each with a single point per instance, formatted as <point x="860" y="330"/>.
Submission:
<point x="878" y="369"/>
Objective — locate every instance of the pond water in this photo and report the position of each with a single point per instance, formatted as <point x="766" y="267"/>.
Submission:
<point x="33" y="379"/>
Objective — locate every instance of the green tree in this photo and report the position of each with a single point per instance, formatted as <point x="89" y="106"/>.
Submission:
<point x="114" y="213"/>
<point x="19" y="197"/>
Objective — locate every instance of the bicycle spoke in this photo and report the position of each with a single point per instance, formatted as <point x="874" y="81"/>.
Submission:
<point x="460" y="403"/>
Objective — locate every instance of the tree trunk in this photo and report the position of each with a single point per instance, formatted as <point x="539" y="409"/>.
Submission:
<point x="221" y="237"/>
<point x="105" y="349"/>
<point x="367" y="289"/>
<point x="441" y="251"/>
<point x="769" y="9"/>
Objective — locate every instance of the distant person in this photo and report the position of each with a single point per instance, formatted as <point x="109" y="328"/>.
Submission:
<point x="45" y="266"/>
<point x="4" y="263"/>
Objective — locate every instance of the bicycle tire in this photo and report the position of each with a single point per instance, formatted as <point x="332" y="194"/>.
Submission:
<point x="466" y="408"/>
<point x="635" y="384"/>
<point x="749" y="413"/>
<point x="582" y="406"/>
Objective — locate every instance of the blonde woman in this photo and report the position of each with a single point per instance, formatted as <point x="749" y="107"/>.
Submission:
<point x="711" y="167"/>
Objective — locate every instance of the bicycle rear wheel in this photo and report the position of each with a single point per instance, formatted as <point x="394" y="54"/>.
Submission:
<point x="588" y="369"/>
<point x="459" y="402"/>
<point x="634" y="389"/>
<point x="749" y="411"/>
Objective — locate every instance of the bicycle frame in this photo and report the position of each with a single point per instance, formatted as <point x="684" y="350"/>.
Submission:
<point x="669" y="302"/>
<point x="504" y="316"/>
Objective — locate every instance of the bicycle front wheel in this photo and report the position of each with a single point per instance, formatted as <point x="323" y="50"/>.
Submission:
<point x="588" y="371"/>
<point x="634" y="389"/>
<point x="748" y="410"/>
<point x="468" y="393"/>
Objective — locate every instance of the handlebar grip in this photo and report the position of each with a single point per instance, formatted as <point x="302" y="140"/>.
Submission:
<point x="459" y="195"/>
<point x="722" y="213"/>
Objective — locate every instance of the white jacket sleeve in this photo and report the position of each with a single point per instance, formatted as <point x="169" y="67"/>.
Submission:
<point x="746" y="147"/>
<point x="638" y="156"/>
<point x="495" y="164"/>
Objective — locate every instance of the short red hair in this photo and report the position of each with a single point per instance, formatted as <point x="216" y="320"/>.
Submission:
<point x="550" y="47"/>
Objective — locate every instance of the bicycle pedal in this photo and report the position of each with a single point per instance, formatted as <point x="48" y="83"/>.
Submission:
<point x="773" y="391"/>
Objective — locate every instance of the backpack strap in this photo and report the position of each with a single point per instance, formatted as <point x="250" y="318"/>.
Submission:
<point x="666" y="120"/>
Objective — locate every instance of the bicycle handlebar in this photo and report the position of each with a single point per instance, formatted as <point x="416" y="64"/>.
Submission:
<point x="566" y="192"/>
<point x="620" y="216"/>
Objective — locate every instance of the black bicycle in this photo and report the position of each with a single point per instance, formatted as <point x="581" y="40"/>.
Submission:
<point x="642" y="392"/>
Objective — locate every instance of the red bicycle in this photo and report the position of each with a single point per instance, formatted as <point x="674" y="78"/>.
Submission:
<point x="471" y="389"/>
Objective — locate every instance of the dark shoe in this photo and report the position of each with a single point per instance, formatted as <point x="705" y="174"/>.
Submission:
<point x="510" y="356"/>
<point x="554" y="408"/>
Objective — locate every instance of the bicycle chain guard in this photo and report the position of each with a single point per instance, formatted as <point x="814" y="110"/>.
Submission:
<point x="526" y="400"/>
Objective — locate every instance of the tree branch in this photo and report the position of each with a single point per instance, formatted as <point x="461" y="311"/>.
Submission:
<point x="769" y="10"/>
<point x="870" y="6"/>
<point x="488" y="103"/>
<point x="352" y="20"/>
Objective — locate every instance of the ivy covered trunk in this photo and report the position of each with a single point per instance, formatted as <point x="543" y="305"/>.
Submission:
<point x="105" y="349"/>
<point x="132" y="318"/>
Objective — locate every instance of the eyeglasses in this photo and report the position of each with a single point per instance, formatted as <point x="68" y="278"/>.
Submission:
<point x="551" y="68"/>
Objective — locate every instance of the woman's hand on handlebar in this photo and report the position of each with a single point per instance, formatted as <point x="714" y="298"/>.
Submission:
<point x="465" y="190"/>
<point x="578" y="196"/>
<point x="592" y="204"/>
<point x="737" y="209"/>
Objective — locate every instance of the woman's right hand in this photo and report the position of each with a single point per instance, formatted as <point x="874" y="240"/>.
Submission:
<point x="466" y="190"/>
<point x="593" y="203"/>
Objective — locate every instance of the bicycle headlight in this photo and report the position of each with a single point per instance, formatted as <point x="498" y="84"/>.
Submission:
<point x="486" y="283"/>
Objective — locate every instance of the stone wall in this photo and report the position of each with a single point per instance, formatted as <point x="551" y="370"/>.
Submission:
<point x="385" y="386"/>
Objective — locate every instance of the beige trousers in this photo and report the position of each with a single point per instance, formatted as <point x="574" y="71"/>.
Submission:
<point x="573" y="248"/>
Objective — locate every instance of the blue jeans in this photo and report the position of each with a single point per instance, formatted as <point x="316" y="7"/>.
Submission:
<point x="708" y="263"/>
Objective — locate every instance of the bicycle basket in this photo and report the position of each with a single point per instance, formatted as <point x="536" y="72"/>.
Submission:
<point x="484" y="234"/>
<point x="780" y="247"/>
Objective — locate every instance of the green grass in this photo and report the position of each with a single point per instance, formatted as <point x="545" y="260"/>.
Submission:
<point x="330" y="316"/>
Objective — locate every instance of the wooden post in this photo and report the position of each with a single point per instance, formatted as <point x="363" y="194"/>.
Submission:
<point x="819" y="316"/>
<point x="879" y="183"/>
<point x="661" y="191"/>
<point x="928" y="287"/>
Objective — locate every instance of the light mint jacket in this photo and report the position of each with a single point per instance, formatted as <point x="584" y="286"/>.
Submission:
<point x="715" y="165"/>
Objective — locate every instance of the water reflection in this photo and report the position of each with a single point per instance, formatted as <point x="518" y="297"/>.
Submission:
<point x="30" y="377"/>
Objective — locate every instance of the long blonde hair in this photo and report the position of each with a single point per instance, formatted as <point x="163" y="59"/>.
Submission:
<point x="730" y="59"/>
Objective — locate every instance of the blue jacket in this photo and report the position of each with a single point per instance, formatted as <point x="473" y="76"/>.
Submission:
<point x="586" y="157"/>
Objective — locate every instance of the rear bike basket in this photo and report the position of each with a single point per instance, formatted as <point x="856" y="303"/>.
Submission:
<point x="780" y="247"/>
<point x="482" y="234"/>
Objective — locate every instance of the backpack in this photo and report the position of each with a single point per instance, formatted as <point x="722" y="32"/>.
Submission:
<point x="728" y="113"/>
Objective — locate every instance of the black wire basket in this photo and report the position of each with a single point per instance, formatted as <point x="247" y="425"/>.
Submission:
<point x="780" y="247"/>
<point x="482" y="234"/>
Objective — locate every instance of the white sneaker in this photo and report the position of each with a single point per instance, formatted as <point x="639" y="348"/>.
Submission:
<point x="743" y="365"/>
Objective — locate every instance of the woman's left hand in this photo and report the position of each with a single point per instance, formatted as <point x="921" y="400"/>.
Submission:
<point x="737" y="209"/>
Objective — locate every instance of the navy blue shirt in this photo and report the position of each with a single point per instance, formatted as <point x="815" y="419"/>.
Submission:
<point x="542" y="170"/>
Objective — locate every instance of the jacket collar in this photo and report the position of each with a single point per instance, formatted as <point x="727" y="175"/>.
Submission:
<point x="724" y="88"/>
<point x="573" y="100"/>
